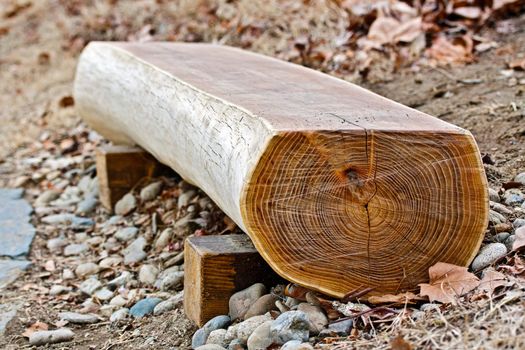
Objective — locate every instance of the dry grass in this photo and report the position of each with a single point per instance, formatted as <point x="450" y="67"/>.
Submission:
<point x="497" y="322"/>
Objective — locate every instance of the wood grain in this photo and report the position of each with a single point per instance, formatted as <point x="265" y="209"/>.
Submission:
<point x="337" y="187"/>
<point x="120" y="168"/>
<point x="215" y="268"/>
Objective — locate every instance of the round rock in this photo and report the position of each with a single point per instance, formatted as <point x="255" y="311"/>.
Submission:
<point x="217" y="337"/>
<point x="210" y="347"/>
<point x="260" y="338"/>
<point x="172" y="281"/>
<point x="87" y="205"/>
<point x="86" y="269"/>
<point x="513" y="197"/>
<point x="246" y="328"/>
<point x="119" y="315"/>
<point x="518" y="223"/>
<point x="151" y="191"/>
<point x="317" y="320"/>
<point x="77" y="318"/>
<point x="241" y="301"/>
<point x="520" y="178"/>
<point x="488" y="255"/>
<point x="170" y="304"/>
<point x="262" y="306"/>
<point x="296" y="345"/>
<point x="126" y="205"/>
<point x="148" y="274"/>
<point x="493" y="195"/>
<point x="126" y="234"/>
<point x="51" y="337"/>
<point x="144" y="307"/>
<point x="291" y="325"/>
<point x="200" y="337"/>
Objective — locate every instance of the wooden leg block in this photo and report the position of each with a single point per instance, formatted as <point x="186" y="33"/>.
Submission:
<point x="119" y="168"/>
<point x="215" y="268"/>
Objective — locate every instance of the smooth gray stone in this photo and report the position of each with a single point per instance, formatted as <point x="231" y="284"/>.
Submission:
<point x="10" y="270"/>
<point x="87" y="205"/>
<point x="51" y="337"/>
<point x="75" y="317"/>
<point x="7" y="312"/>
<point x="15" y="238"/>
<point x="16" y="233"/>
<point x="68" y="219"/>
<point x="11" y="193"/>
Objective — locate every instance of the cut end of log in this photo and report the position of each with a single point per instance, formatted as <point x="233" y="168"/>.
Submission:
<point x="367" y="209"/>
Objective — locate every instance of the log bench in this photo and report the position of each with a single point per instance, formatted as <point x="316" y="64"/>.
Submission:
<point x="337" y="187"/>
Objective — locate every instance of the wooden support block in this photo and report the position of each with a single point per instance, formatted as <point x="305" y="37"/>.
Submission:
<point x="119" y="168"/>
<point x="215" y="268"/>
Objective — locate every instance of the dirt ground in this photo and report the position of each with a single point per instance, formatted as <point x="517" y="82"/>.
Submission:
<point x="39" y="45"/>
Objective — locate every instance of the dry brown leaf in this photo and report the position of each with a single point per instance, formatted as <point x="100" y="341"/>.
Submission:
<point x="68" y="145"/>
<point x="295" y="291"/>
<point x="515" y="266"/>
<point x="35" y="327"/>
<point x="499" y="4"/>
<point x="402" y="298"/>
<point x="470" y="12"/>
<point x="520" y="238"/>
<point x="399" y="343"/>
<point x="408" y="31"/>
<point x="230" y="225"/>
<point x="66" y="101"/>
<point x="446" y="51"/>
<point x="386" y="30"/>
<point x="517" y="64"/>
<point x="448" y="282"/>
<point x="491" y="280"/>
<point x="382" y="30"/>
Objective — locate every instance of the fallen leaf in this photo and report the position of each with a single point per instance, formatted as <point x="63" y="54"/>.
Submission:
<point x="511" y="184"/>
<point x="520" y="238"/>
<point x="517" y="64"/>
<point x="295" y="291"/>
<point x="402" y="298"/>
<point x="230" y="225"/>
<point x="66" y="101"/>
<point x="386" y="30"/>
<point x="68" y="145"/>
<point x="399" y="343"/>
<point x="482" y="47"/>
<point x="470" y="12"/>
<point x="200" y="232"/>
<point x="491" y="280"/>
<point x="498" y="4"/>
<point x="515" y="266"/>
<point x="458" y="50"/>
<point x="382" y="30"/>
<point x="43" y="58"/>
<point x="408" y="31"/>
<point x="448" y="282"/>
<point x="16" y="8"/>
<point x="35" y="327"/>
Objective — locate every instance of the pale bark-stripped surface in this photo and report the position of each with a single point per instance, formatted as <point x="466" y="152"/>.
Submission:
<point x="337" y="187"/>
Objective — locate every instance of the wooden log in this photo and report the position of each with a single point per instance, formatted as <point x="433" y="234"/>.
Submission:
<point x="338" y="188"/>
<point x="215" y="268"/>
<point x="120" y="168"/>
